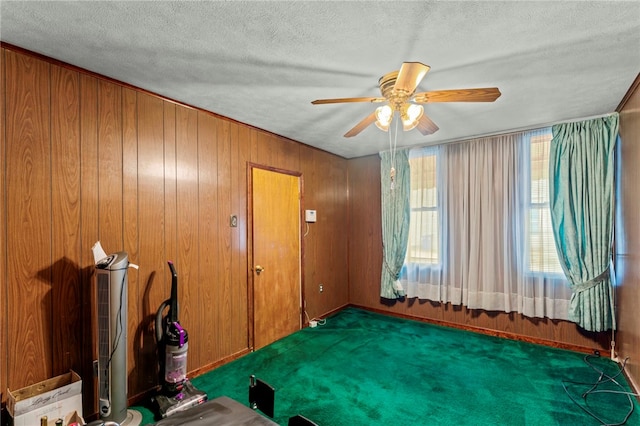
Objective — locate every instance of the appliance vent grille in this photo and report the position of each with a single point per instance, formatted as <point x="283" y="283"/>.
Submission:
<point x="104" y="336"/>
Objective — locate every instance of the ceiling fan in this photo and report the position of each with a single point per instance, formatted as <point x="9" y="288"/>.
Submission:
<point x="398" y="91"/>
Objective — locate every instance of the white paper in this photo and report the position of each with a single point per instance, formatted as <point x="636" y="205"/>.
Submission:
<point x="98" y="252"/>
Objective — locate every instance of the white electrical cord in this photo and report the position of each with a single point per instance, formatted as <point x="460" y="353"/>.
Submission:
<point x="315" y="321"/>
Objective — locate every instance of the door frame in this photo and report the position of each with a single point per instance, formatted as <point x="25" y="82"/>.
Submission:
<point x="250" y="272"/>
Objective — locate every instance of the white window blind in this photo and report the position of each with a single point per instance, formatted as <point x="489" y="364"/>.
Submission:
<point x="424" y="235"/>
<point x="542" y="256"/>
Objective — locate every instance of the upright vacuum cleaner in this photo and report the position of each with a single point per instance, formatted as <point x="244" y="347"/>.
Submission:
<point x="177" y="393"/>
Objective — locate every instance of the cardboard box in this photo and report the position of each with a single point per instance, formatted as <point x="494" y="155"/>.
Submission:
<point x="54" y="398"/>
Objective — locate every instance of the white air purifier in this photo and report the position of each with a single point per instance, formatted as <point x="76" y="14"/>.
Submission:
<point x="111" y="275"/>
<point x="112" y="281"/>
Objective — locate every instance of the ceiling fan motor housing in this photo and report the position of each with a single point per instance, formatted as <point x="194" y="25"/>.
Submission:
<point x="395" y="96"/>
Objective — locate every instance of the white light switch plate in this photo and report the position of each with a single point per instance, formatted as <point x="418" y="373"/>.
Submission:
<point x="309" y="215"/>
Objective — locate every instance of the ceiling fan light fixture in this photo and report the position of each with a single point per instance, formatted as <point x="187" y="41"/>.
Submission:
<point x="411" y="115"/>
<point x="384" y="114"/>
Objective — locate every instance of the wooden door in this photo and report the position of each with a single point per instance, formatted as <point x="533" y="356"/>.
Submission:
<point x="276" y="256"/>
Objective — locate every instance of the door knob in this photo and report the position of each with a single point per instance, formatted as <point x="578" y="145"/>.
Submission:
<point x="259" y="269"/>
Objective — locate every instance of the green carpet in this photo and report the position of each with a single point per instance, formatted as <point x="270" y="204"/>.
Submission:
<point x="363" y="368"/>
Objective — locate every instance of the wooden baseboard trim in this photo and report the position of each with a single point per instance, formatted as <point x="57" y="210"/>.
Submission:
<point x="634" y="386"/>
<point x="221" y="362"/>
<point x="146" y="395"/>
<point x="489" y="332"/>
<point x="331" y="312"/>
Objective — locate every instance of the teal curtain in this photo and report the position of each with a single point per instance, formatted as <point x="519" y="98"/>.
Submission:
<point x="395" y="179"/>
<point x="581" y="172"/>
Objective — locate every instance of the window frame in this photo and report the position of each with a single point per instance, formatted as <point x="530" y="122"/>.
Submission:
<point x="424" y="262"/>
<point x="530" y="206"/>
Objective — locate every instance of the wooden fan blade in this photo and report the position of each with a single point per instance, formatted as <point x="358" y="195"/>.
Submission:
<point x="487" y="94"/>
<point x="368" y="120"/>
<point x="346" y="100"/>
<point x="426" y="126"/>
<point x="409" y="76"/>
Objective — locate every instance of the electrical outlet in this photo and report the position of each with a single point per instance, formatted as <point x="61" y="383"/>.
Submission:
<point x="321" y="288"/>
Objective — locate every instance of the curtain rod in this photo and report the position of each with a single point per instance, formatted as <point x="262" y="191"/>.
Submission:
<point x="507" y="132"/>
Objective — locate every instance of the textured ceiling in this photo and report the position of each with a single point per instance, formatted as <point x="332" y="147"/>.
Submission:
<point x="262" y="63"/>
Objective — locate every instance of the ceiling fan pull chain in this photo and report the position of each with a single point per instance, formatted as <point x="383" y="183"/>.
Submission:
<point x="393" y="140"/>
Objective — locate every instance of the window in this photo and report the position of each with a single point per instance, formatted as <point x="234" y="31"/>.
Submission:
<point x="480" y="233"/>
<point x="424" y="235"/>
<point x="542" y="256"/>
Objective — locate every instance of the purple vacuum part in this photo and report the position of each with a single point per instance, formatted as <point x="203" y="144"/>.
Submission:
<point x="181" y="331"/>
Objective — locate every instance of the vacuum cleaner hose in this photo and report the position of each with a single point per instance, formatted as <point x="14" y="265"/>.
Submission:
<point x="159" y="330"/>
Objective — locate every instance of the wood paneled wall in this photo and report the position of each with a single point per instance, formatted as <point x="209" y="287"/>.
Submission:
<point x="628" y="235"/>
<point x="84" y="158"/>
<point x="365" y="258"/>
